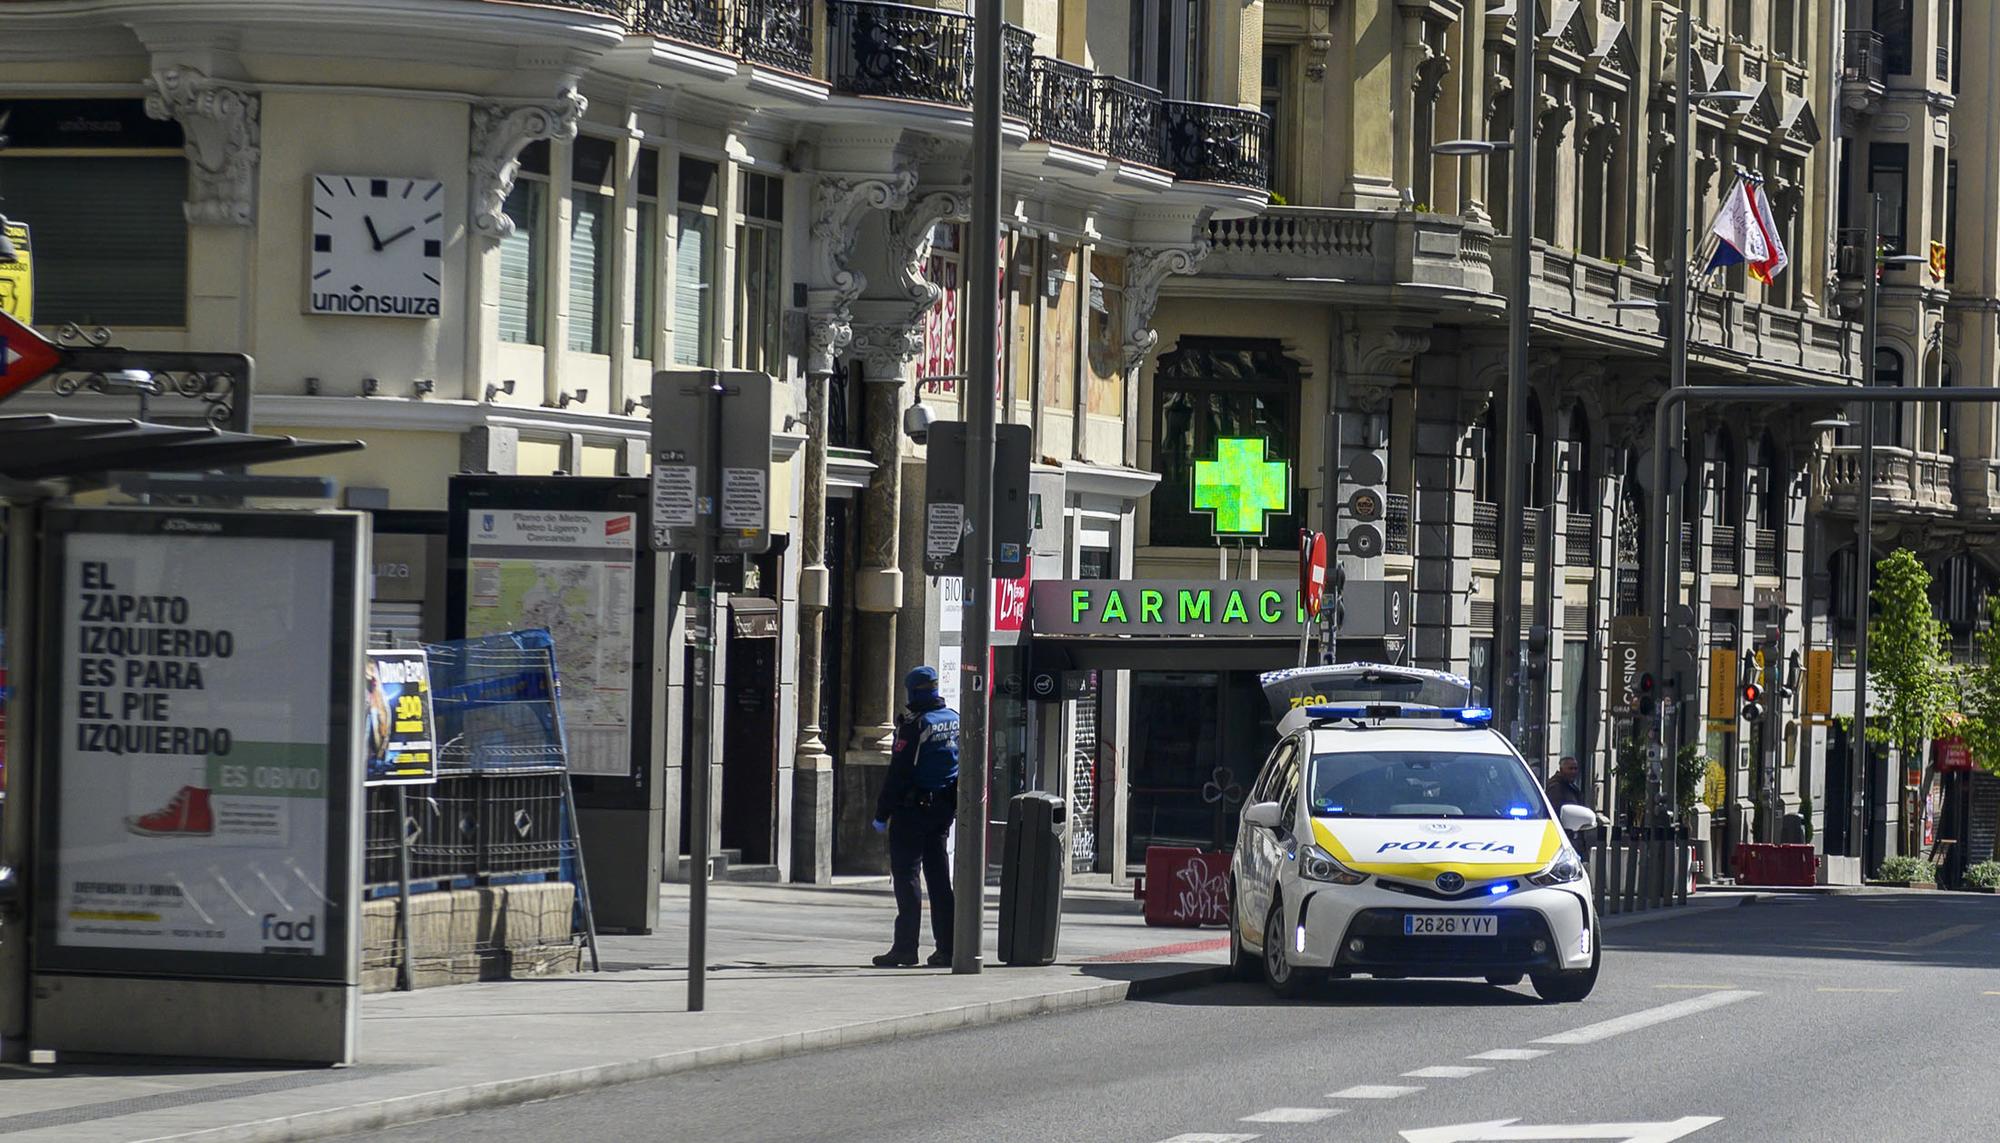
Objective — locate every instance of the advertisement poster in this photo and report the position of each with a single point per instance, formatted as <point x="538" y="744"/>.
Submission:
<point x="570" y="572"/>
<point x="193" y="808"/>
<point x="399" y="734"/>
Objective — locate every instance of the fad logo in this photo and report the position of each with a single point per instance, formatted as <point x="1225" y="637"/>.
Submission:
<point x="1458" y="844"/>
<point x="288" y="931"/>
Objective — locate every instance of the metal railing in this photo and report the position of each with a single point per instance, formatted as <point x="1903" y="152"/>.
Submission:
<point x="1128" y="120"/>
<point x="1727" y="550"/>
<point x="696" y="22"/>
<point x="1767" y="551"/>
<point x="1861" y="57"/>
<point x="1214" y="143"/>
<point x="1485" y="530"/>
<point x="1531" y="534"/>
<point x="1943" y="62"/>
<point x="1065" y="106"/>
<point x="1579" y="539"/>
<point x="1396" y="524"/>
<point x="899" y="51"/>
<point x="1687" y="546"/>
<point x="1017" y="85"/>
<point x="776" y="33"/>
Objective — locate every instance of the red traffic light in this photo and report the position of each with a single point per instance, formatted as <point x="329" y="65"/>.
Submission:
<point x="1752" y="692"/>
<point x="1646" y="684"/>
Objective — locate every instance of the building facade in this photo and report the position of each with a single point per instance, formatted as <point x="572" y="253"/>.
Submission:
<point x="611" y="188"/>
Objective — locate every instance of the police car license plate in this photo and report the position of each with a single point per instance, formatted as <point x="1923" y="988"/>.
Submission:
<point x="1450" y="925"/>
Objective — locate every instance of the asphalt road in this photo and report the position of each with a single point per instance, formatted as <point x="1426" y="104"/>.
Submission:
<point x="1869" y="1017"/>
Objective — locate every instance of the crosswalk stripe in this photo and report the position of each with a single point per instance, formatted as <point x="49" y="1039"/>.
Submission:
<point x="1294" y="1115"/>
<point x="1445" y="1071"/>
<point x="1511" y="1054"/>
<point x="1645" y="1018"/>
<point x="1374" y="1091"/>
<point x="1210" y="1137"/>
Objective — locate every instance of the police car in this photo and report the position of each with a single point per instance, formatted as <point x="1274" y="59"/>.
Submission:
<point x="1391" y="839"/>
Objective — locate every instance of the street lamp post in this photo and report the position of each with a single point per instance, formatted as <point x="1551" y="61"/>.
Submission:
<point x="1506" y="660"/>
<point x="1864" y="526"/>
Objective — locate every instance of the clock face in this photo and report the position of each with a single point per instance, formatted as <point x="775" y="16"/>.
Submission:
<point x="377" y="246"/>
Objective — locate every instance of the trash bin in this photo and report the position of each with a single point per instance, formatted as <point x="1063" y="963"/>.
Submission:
<point x="1031" y="879"/>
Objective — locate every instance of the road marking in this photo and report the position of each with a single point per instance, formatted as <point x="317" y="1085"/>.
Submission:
<point x="1695" y="987"/>
<point x="1505" y="1129"/>
<point x="1210" y="1137"/>
<point x="1646" y="1018"/>
<point x="1511" y="1054"/>
<point x="1939" y="937"/>
<point x="1445" y="1071"/>
<point x="1858" y="990"/>
<point x="1294" y="1115"/>
<point x="1374" y="1091"/>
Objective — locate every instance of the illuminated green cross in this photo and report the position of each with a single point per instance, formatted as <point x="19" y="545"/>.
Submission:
<point x="1240" y="487"/>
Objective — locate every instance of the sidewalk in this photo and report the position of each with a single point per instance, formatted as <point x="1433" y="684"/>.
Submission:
<point x="790" y="974"/>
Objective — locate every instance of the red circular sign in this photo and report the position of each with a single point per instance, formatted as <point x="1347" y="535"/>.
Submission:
<point x="1314" y="559"/>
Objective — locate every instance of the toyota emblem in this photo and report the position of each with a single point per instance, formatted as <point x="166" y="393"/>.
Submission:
<point x="1450" y="882"/>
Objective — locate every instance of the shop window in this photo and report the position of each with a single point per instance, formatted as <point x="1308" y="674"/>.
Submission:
<point x="523" y="275"/>
<point x="1209" y="390"/>
<point x="760" y="270"/>
<point x="590" y="228"/>
<point x="694" y="264"/>
<point x="101" y="187"/>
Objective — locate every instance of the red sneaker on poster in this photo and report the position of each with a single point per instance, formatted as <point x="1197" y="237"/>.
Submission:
<point x="187" y="815"/>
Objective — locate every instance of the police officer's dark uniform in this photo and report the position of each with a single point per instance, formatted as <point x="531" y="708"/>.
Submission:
<point x="918" y="802"/>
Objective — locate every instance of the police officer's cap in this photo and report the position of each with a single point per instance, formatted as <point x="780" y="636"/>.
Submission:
<point x="921" y="679"/>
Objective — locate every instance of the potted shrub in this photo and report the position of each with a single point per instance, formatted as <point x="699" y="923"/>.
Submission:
<point x="1907" y="871"/>
<point x="1982" y="878"/>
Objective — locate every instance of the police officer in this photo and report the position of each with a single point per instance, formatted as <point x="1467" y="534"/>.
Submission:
<point x="918" y="803"/>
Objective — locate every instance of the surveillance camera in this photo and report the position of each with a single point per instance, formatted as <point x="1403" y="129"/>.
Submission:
<point x="917" y="423"/>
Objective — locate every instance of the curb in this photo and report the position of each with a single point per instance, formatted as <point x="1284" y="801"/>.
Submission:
<point x="404" y="1110"/>
<point x="1699" y="905"/>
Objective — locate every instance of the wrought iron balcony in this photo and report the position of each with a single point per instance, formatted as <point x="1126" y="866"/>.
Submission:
<point x="1213" y="143"/>
<point x="774" y="33"/>
<point x="1579" y="540"/>
<point x="1943" y="62"/>
<point x="1767" y="551"/>
<point x="1128" y="121"/>
<point x="897" y="51"/>
<point x="1485" y="530"/>
<point x="1065" y="107"/>
<point x="1017" y="86"/>
<point x="1396" y="524"/>
<point x="1726" y="551"/>
<point x="1531" y="535"/>
<point x="1862" y="56"/>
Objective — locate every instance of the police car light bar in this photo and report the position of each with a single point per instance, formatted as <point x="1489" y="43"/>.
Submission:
<point x="1465" y="715"/>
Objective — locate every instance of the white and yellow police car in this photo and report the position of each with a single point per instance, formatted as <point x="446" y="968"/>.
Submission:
<point x="1394" y="840"/>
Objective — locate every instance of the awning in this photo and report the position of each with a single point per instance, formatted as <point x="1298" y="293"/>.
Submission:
<point x="44" y="446"/>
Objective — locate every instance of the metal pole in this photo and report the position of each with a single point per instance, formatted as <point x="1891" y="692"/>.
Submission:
<point x="1329" y="651"/>
<point x="701" y="685"/>
<point x="1514" y="424"/>
<point x="403" y="981"/>
<point x="1864" y="538"/>
<point x="969" y="872"/>
<point x="17" y="850"/>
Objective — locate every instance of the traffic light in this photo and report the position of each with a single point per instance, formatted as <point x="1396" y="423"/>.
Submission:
<point x="1753" y="708"/>
<point x="1336" y="583"/>
<point x="1367" y="504"/>
<point x="1649" y="702"/>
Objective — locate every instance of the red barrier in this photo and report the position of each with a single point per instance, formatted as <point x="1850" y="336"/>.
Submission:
<point x="1184" y="887"/>
<point x="1758" y="864"/>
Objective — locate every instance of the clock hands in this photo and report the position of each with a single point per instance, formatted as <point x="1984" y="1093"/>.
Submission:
<point x="375" y="236"/>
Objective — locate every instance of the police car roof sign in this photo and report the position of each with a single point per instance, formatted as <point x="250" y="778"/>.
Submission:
<point x="25" y="356"/>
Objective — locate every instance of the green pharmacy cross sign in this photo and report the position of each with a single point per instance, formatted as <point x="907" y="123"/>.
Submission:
<point x="1240" y="489"/>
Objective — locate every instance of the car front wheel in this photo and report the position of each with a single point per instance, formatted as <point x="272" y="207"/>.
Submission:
<point x="1285" y="978"/>
<point x="1242" y="966"/>
<point x="1568" y="987"/>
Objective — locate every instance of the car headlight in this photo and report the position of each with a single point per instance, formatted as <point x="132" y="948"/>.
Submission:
<point x="1567" y="867"/>
<point x="1318" y="865"/>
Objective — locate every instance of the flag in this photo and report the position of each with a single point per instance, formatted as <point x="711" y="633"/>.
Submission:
<point x="1776" y="260"/>
<point x="1739" y="238"/>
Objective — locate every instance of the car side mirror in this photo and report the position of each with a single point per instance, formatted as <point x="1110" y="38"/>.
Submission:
<point x="1576" y="819"/>
<point x="1266" y="814"/>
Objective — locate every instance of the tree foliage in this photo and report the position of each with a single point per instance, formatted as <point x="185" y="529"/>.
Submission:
<point x="1909" y="669"/>
<point x="1981" y="701"/>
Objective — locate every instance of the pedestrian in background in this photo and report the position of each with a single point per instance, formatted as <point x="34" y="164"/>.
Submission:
<point x="918" y="802"/>
<point x="1565" y="788"/>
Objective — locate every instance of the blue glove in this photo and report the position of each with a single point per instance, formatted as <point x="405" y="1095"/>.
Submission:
<point x="880" y="825"/>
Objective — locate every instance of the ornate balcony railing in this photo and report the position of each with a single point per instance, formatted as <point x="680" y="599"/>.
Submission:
<point x="897" y="51"/>
<point x="1726" y="549"/>
<point x="1485" y="530"/>
<point x="1065" y="107"/>
<point x="1213" y="143"/>
<point x="1861" y="57"/>
<point x="1921" y="482"/>
<point x="1767" y="551"/>
<point x="776" y="33"/>
<point x="1943" y="62"/>
<point x="1017" y="86"/>
<point x="1128" y="120"/>
<point x="1531" y="535"/>
<point x="698" y="22"/>
<point x="1396" y="525"/>
<point x="1687" y="546"/>
<point x="1579" y="540"/>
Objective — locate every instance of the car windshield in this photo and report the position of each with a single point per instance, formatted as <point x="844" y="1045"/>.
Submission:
<point x="1423" y="784"/>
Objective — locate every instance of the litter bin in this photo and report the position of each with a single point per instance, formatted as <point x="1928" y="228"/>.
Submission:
<point x="1031" y="879"/>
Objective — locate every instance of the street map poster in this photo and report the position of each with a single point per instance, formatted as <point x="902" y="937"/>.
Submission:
<point x="570" y="572"/>
<point x="398" y="731"/>
<point x="205" y="769"/>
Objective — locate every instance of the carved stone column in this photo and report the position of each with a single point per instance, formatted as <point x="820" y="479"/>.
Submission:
<point x="878" y="582"/>
<point x="812" y="779"/>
